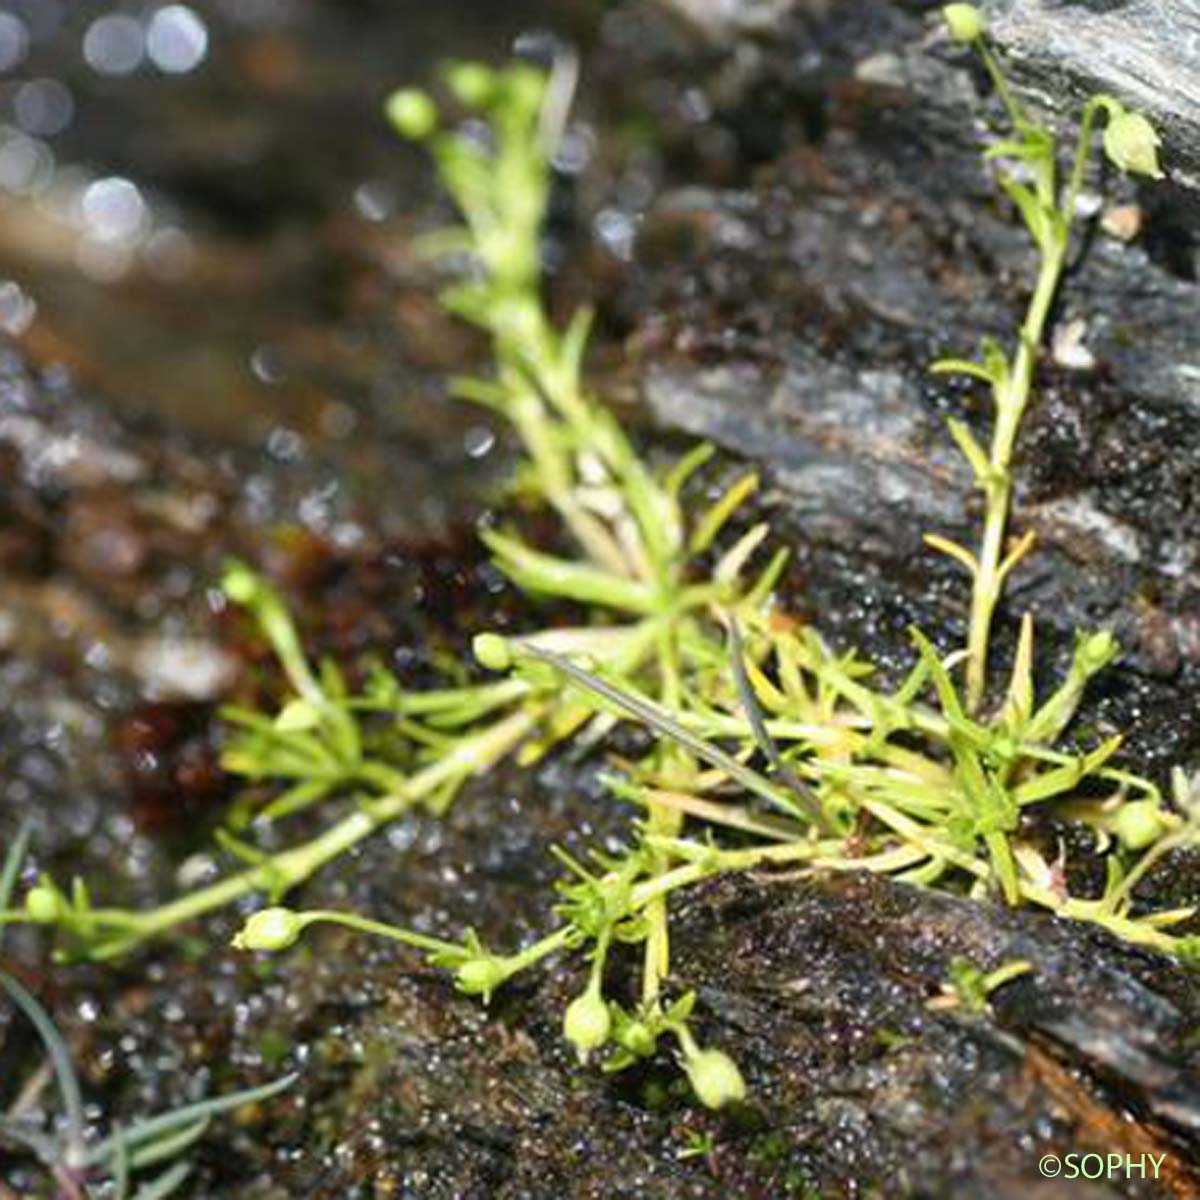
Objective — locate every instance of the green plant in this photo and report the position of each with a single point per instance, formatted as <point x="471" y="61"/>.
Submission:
<point x="78" y="1162"/>
<point x="969" y="988"/>
<point x="698" y="1144"/>
<point x="1030" y="179"/>
<point x="771" y="748"/>
<point x="379" y="753"/>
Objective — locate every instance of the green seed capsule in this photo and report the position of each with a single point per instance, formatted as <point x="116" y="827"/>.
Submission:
<point x="239" y="583"/>
<point x="491" y="651"/>
<point x="1131" y="143"/>
<point x="473" y="83"/>
<point x="587" y="1023"/>
<point x="413" y="113"/>
<point x="270" y="929"/>
<point x="1138" y="824"/>
<point x="715" y="1078"/>
<point x="481" y="976"/>
<point x="43" y="904"/>
<point x="965" y="22"/>
<point x="1095" y="651"/>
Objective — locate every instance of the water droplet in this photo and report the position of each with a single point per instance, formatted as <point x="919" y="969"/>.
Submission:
<point x="114" y="44"/>
<point x="695" y="106"/>
<point x="17" y="308"/>
<point x="43" y="107"/>
<point x="284" y="445"/>
<point x="26" y="164"/>
<point x="14" y="40"/>
<point x="616" y="230"/>
<point x="375" y="200"/>
<point x="176" y="40"/>
<point x="478" y="441"/>
<point x="268" y="366"/>
<point x="113" y="208"/>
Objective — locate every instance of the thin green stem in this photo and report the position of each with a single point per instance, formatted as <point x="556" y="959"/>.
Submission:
<point x="1012" y="399"/>
<point x="531" y="422"/>
<point x="663" y="822"/>
<point x="560" y="939"/>
<point x="687" y="1043"/>
<point x="328" y="916"/>
<point x="1016" y="114"/>
<point x="1083" y="151"/>
<point x="281" y="872"/>
<point x="1155" y="854"/>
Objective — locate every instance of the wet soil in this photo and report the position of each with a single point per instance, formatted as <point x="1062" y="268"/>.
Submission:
<point x="779" y="241"/>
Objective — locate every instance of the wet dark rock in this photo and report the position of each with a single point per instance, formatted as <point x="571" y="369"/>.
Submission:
<point x="793" y="320"/>
<point x="827" y="990"/>
<point x="835" y="1000"/>
<point x="1144" y="52"/>
<point x="1147" y="52"/>
<point x="845" y="413"/>
<point x="115" y="533"/>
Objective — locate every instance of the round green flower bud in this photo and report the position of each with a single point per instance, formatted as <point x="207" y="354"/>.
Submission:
<point x="43" y="904"/>
<point x="965" y="22"/>
<point x="715" y="1078"/>
<point x="270" y="929"/>
<point x="1097" y="650"/>
<point x="239" y="583"/>
<point x="491" y="651"/>
<point x="473" y="83"/>
<point x="587" y="1023"/>
<point x="1131" y="143"/>
<point x="481" y="976"/>
<point x="1138" y="824"/>
<point x="413" y="113"/>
